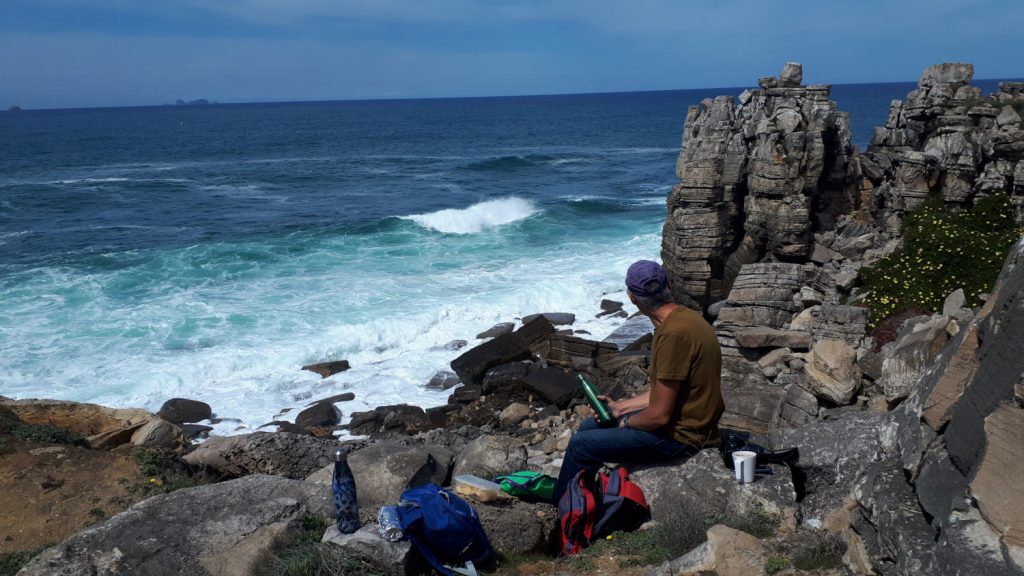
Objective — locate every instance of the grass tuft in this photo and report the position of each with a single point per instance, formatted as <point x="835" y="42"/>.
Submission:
<point x="302" y="554"/>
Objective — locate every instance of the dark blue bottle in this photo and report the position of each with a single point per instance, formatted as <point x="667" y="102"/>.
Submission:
<point x="344" y="488"/>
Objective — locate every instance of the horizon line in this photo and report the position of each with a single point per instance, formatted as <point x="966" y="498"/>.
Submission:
<point x="214" y="103"/>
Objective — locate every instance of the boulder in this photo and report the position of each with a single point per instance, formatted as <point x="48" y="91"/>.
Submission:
<point x="499" y="329"/>
<point x="914" y="350"/>
<point x="490" y="456"/>
<point x="954" y="302"/>
<point x="703" y="484"/>
<point x="834" y="454"/>
<point x="280" y="453"/>
<point x="182" y="410"/>
<point x="442" y="380"/>
<point x="85" y="419"/>
<point x="553" y="385"/>
<point x="832" y="371"/>
<point x="475" y="362"/>
<point x="326" y="369"/>
<point x="366" y="542"/>
<point x="946" y="73"/>
<point x="564" y="350"/>
<point x="343" y="397"/>
<point x="996" y="485"/>
<point x="727" y="552"/>
<point x="320" y="414"/>
<point x="518" y="527"/>
<point x="556" y="318"/>
<point x="514" y="414"/>
<point x="792" y="74"/>
<point x="505" y="378"/>
<point x="397" y="418"/>
<point x="384" y="470"/>
<point x="225" y="528"/>
<point x="159" y="433"/>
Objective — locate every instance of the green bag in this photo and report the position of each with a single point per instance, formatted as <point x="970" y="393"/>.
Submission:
<point x="528" y="485"/>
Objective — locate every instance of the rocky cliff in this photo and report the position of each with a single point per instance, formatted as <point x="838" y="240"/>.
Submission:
<point x="774" y="216"/>
<point x="758" y="175"/>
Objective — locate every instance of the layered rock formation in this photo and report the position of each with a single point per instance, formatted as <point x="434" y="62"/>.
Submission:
<point x="947" y="139"/>
<point x="758" y="175"/>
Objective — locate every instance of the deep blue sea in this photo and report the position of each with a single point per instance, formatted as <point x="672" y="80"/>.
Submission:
<point x="209" y="252"/>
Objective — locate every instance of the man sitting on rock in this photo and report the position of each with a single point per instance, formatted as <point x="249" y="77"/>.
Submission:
<point x="678" y="415"/>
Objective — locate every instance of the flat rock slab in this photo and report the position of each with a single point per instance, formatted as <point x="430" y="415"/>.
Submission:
<point x="368" y="543"/>
<point x="221" y="529"/>
<point x="325" y="369"/>
<point x="631" y="330"/>
<point x="282" y="453"/>
<point x="704" y="484"/>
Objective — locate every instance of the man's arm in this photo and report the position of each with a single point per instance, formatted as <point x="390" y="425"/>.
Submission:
<point x="620" y="407"/>
<point x="656" y="415"/>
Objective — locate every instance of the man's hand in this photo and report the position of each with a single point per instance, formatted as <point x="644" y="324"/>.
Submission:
<point x="613" y="406"/>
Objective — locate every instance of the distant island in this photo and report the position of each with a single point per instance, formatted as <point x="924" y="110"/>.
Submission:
<point x="14" y="109"/>
<point x="199" y="102"/>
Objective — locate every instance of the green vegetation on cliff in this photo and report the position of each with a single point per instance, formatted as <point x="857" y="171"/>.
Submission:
<point x="943" y="250"/>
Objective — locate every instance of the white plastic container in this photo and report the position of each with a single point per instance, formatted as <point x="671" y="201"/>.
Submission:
<point x="482" y="490"/>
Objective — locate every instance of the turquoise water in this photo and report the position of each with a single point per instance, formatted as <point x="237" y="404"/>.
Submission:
<point x="150" y="253"/>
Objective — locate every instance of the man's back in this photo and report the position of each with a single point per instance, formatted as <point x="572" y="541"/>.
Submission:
<point x="685" y="348"/>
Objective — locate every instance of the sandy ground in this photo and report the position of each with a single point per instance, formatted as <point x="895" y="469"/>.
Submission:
<point x="52" y="491"/>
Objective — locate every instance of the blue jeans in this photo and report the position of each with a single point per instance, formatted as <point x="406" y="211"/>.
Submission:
<point x="592" y="446"/>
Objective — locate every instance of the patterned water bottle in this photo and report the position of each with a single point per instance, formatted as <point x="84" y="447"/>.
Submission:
<point x="344" y="488"/>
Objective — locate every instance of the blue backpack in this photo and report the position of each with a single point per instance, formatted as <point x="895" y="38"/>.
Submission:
<point x="444" y="528"/>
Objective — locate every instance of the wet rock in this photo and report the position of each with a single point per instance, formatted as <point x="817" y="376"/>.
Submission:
<point x="321" y="414"/>
<point x="497" y="330"/>
<point x="565" y="349"/>
<point x="326" y="369"/>
<point x="182" y="410"/>
<point x="442" y="380"/>
<point x="343" y="397"/>
<point x="556" y="318"/>
<point x="474" y="363"/>
<point x="552" y="385"/>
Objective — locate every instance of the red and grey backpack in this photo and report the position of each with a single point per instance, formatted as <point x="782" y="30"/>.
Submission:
<point x="598" y="504"/>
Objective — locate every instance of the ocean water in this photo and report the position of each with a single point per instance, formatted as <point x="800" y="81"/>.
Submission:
<point x="210" y="252"/>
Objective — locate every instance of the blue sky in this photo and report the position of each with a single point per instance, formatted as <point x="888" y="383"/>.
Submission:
<point x="67" y="53"/>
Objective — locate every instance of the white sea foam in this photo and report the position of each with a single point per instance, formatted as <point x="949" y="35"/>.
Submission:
<point x="192" y="323"/>
<point x="477" y="217"/>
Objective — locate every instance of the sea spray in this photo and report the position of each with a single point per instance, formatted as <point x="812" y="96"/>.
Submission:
<point x="477" y="217"/>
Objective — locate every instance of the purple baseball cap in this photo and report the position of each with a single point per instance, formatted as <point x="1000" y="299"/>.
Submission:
<point x="646" y="278"/>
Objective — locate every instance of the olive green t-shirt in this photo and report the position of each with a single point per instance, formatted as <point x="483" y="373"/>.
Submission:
<point x="685" y="348"/>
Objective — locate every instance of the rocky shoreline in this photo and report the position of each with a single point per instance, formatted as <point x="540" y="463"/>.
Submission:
<point x="911" y="450"/>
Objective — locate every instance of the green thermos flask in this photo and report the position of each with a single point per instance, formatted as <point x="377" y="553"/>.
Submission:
<point x="604" y="415"/>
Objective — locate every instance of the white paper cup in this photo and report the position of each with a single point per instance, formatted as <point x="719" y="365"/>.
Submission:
<point x="744" y="462"/>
